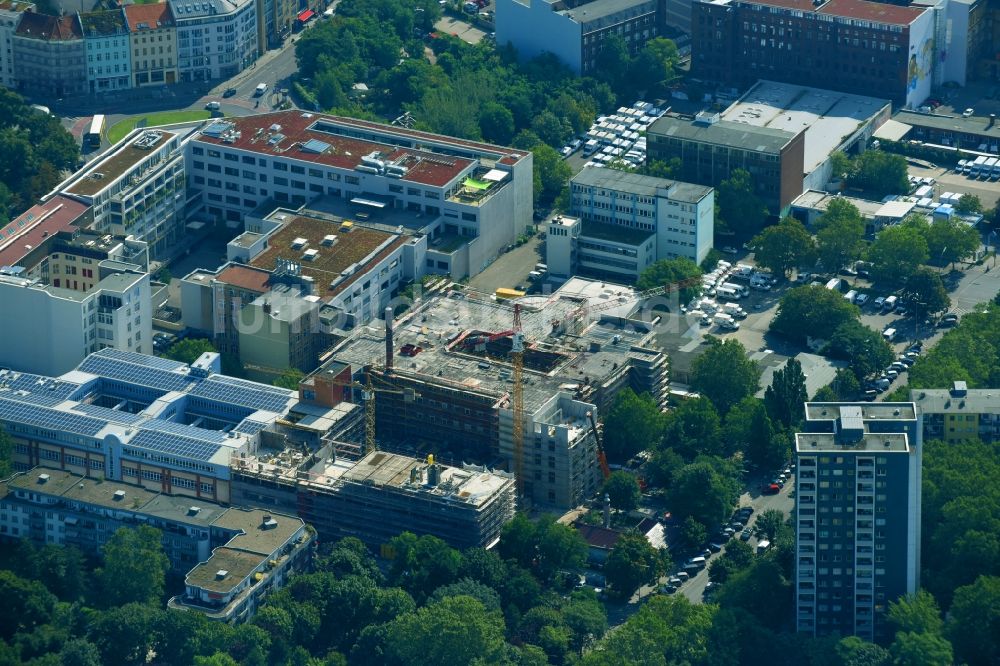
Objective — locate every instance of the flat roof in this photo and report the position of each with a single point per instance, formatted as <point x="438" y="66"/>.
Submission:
<point x="828" y="118"/>
<point x="337" y="141"/>
<point x="636" y="183"/>
<point x="819" y="200"/>
<point x="104" y="23"/>
<point x="36" y="224"/>
<point x="351" y="247"/>
<point x="598" y="9"/>
<point x="896" y="209"/>
<point x="870" y="411"/>
<point x="723" y="133"/>
<point x="851" y="9"/>
<point x="946" y="401"/>
<point x="972" y="125"/>
<point x="236" y="564"/>
<point x="614" y="232"/>
<point x="257" y="536"/>
<point x="123" y="158"/>
<point x="809" y="442"/>
<point x="892" y="130"/>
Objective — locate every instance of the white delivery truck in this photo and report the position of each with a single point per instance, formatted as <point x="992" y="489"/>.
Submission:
<point x="260" y="89"/>
<point x="890" y="303"/>
<point x="726" y="322"/>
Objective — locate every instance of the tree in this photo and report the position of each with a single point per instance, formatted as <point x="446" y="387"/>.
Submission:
<point x="925" y="291"/>
<point x="737" y="556"/>
<point x="693" y="428"/>
<point x="348" y="557"/>
<point x="484" y="566"/>
<point x="950" y="239"/>
<point x="724" y="374"/>
<point x="917" y="613"/>
<point x="672" y="271"/>
<point x="896" y="253"/>
<point x="785" y="398"/>
<point x="700" y="491"/>
<point x="811" y="311"/>
<point x="784" y="246"/>
<point x="912" y="649"/>
<point x="840" y="165"/>
<point x="189" y="349"/>
<point x="840" y="235"/>
<point x="134" y="568"/>
<point x="632" y="562"/>
<point x="770" y="522"/>
<point x="422" y="564"/>
<point x="633" y="423"/>
<point x="761" y="580"/>
<point x="487" y="596"/>
<point x="552" y="171"/>
<point x="742" y="211"/>
<point x="497" y="123"/>
<point x="974" y="622"/>
<point x="559" y="547"/>
<point x="455" y="630"/>
<point x="969" y="203"/>
<point x="656" y="62"/>
<point x="854" y="651"/>
<point x="612" y="61"/>
<point x="27" y="604"/>
<point x="290" y="379"/>
<point x="693" y="533"/>
<point x="879" y="173"/>
<point x="125" y="634"/>
<point x="765" y="448"/>
<point x="623" y="489"/>
<point x="865" y="350"/>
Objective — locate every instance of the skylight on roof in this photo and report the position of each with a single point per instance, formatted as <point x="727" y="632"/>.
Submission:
<point x="315" y="146"/>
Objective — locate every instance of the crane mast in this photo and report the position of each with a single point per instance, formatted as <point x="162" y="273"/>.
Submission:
<point x="517" y="359"/>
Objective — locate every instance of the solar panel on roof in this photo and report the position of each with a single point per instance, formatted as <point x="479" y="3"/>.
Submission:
<point x="249" y="427"/>
<point x="112" y="415"/>
<point x="48" y="419"/>
<point x="253" y="396"/>
<point x="136" y="374"/>
<point x="43" y="399"/>
<point x="140" y="359"/>
<point x="184" y="430"/>
<point x="184" y="447"/>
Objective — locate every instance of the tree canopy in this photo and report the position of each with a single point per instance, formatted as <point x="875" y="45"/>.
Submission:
<point x="631" y="563"/>
<point x="812" y="311"/>
<point x="784" y="246"/>
<point x="633" y="423"/>
<point x="623" y="489"/>
<point x="924" y="290"/>
<point x="134" y="568"/>
<point x="879" y="173"/>
<point x="724" y="374"/>
<point x="865" y="350"/>
<point x="840" y="235"/>
<point x="740" y="209"/>
<point x="897" y="252"/>
<point x="786" y="396"/>
<point x="672" y="271"/>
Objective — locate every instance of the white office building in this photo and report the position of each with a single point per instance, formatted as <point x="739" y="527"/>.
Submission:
<point x="10" y="16"/>
<point x="622" y="222"/>
<point x="137" y="188"/>
<point x="216" y="39"/>
<point x="469" y="200"/>
<point x="53" y="328"/>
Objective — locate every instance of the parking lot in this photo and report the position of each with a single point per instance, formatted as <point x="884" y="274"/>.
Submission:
<point x="952" y="181"/>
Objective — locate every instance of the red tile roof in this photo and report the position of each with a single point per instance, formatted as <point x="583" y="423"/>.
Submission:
<point x="151" y="16"/>
<point x="425" y="166"/>
<point x="597" y="536"/>
<point x="246" y="277"/>
<point x="35" y="225"/>
<point x="51" y="28"/>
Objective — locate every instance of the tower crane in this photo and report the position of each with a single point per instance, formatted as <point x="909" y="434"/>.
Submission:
<point x="517" y="359"/>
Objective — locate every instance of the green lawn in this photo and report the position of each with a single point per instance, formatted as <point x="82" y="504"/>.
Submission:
<point x="118" y="131"/>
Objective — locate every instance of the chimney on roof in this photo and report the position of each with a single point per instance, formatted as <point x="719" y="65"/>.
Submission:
<point x="993" y="120"/>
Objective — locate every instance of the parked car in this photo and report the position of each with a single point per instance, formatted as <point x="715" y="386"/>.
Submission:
<point x="715" y="547"/>
<point x="861" y="299"/>
<point x="230" y="92"/>
<point x="212" y="106"/>
<point x="967" y="113"/>
<point x="746" y="534"/>
<point x="770" y="489"/>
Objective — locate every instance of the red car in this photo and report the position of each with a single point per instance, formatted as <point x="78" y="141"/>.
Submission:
<point x="770" y="489"/>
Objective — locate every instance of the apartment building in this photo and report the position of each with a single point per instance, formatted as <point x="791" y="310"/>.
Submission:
<point x="10" y="17"/>
<point x="25" y="240"/>
<point x="469" y="200"/>
<point x="710" y="148"/>
<point x="857" y="516"/>
<point x="211" y="301"/>
<point x="856" y="46"/>
<point x="109" y="55"/>
<point x="49" y="56"/>
<point x="138" y="188"/>
<point x="215" y="39"/>
<point x="574" y="32"/>
<point x="621" y="212"/>
<point x="232" y="557"/>
<point x="958" y="414"/>
<point x="141" y="419"/>
<point x="275" y="20"/>
<point x="153" y="40"/>
<point x="61" y="321"/>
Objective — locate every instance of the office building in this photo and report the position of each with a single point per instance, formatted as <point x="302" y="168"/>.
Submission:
<point x="108" y="50"/>
<point x="153" y="40"/>
<point x="49" y="56"/>
<point x="215" y="39"/>
<point x="137" y="188"/>
<point x="782" y="134"/>
<point x="809" y="206"/>
<point x="141" y="419"/>
<point x="380" y="495"/>
<point x="958" y="414"/>
<point x="857" y="516"/>
<point x="854" y="46"/>
<point x="448" y="390"/>
<point x="10" y="17"/>
<point x="59" y="321"/>
<point x="470" y="200"/>
<point x="232" y="557"/>
<point x="574" y="32"/>
<point x="629" y="221"/>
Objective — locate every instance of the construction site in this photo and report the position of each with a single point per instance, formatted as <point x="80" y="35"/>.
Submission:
<point x="510" y="385"/>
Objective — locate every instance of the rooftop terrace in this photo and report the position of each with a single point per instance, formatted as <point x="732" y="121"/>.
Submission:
<point x="808" y="442"/>
<point x="870" y="411"/>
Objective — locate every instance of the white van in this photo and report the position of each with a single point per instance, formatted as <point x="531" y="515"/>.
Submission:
<point x="851" y="296"/>
<point x="889" y="334"/>
<point x="698" y="561"/>
<point x="762" y="546"/>
<point x="260" y="89"/>
<point x="890" y="303"/>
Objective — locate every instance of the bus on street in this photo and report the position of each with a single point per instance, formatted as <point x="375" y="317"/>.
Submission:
<point x="94" y="133"/>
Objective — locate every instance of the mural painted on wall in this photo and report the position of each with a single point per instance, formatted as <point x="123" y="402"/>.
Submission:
<point x="921" y="64"/>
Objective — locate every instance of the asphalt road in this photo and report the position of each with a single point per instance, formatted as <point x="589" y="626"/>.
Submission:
<point x="510" y="269"/>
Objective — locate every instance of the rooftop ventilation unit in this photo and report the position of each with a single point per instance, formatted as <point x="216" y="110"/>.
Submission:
<point x="43" y="478"/>
<point x="310" y="255"/>
<point x="269" y="523"/>
<point x="220" y="574"/>
<point x="329" y="240"/>
<point x="299" y="243"/>
<point x="194" y="510"/>
<point x="119" y="495"/>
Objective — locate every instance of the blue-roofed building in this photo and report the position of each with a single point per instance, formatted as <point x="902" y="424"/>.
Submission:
<point x="167" y="426"/>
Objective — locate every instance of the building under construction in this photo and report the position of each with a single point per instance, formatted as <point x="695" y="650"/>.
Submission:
<point x="443" y="381"/>
<point x="381" y="495"/>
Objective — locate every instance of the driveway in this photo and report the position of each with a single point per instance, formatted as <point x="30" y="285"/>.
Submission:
<point x="460" y="29"/>
<point x="510" y="269"/>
